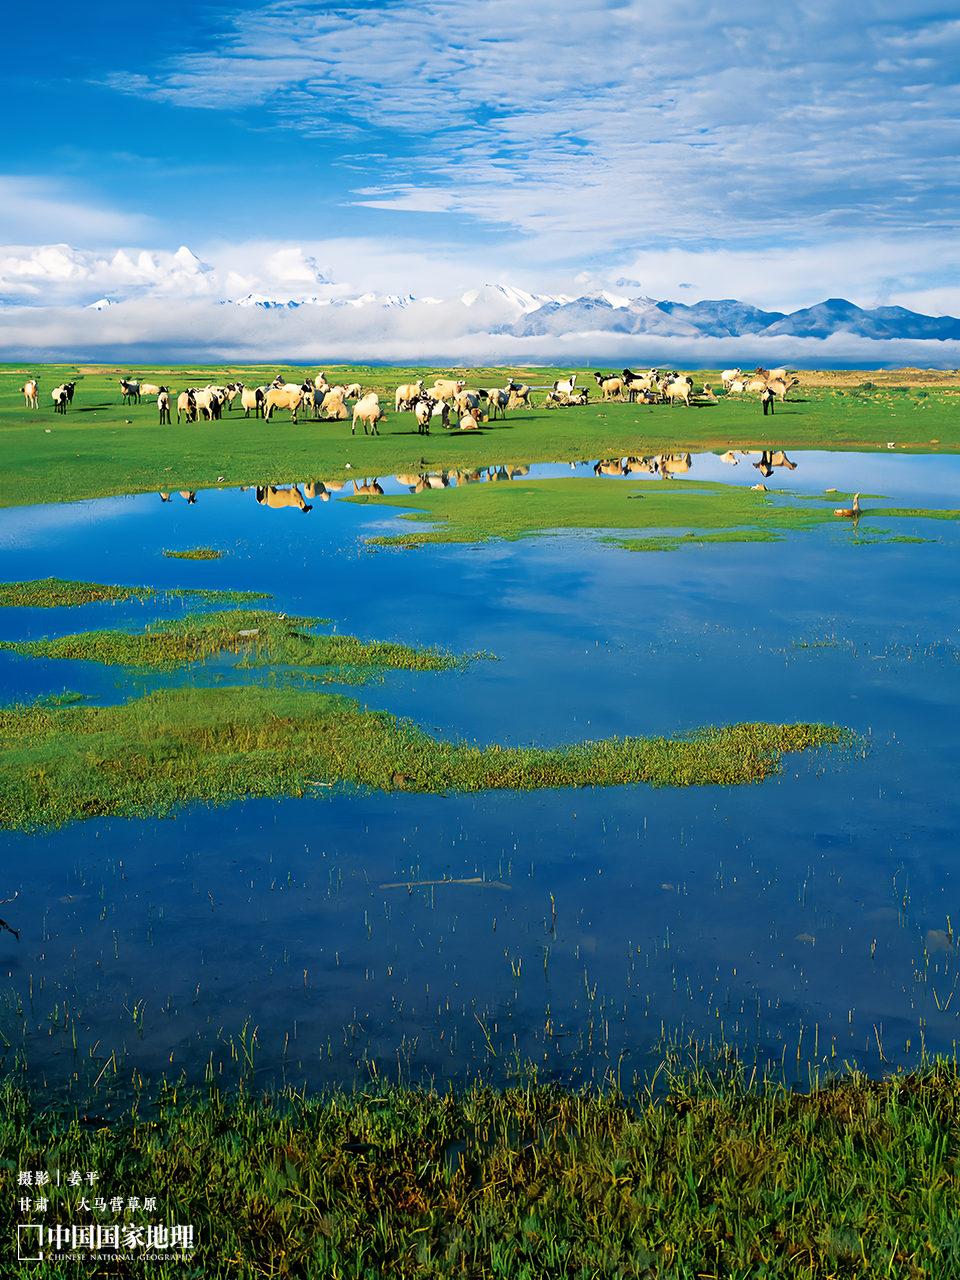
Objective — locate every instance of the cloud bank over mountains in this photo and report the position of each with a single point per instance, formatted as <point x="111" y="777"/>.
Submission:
<point x="165" y="306"/>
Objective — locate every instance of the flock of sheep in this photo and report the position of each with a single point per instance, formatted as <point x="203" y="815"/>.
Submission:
<point x="446" y="399"/>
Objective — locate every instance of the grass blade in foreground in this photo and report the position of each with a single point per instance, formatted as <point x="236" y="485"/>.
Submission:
<point x="150" y="755"/>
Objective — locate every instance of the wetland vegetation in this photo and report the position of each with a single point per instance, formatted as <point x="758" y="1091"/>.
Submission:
<point x="261" y="638"/>
<point x="176" y="746"/>
<point x="56" y="593"/>
<point x="708" y="1173"/>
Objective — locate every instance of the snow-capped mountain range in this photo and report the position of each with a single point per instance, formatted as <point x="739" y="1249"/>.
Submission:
<point x="528" y="314"/>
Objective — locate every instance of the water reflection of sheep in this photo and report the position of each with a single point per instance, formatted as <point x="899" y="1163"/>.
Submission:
<point x="664" y="464"/>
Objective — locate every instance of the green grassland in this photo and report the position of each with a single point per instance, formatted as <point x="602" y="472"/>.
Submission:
<point x="723" y="1178"/>
<point x="525" y="507"/>
<point x="59" y="763"/>
<point x="101" y="447"/>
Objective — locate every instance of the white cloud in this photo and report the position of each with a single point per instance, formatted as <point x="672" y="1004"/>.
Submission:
<point x="615" y="124"/>
<point x="145" y="331"/>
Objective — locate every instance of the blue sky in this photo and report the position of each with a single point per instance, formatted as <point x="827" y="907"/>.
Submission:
<point x="778" y="154"/>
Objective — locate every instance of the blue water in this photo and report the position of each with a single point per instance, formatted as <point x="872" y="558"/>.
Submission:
<point x="808" y="920"/>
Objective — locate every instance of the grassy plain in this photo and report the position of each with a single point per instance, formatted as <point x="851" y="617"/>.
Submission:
<point x="59" y="763"/>
<point x="724" y="1178"/>
<point x="101" y="447"/>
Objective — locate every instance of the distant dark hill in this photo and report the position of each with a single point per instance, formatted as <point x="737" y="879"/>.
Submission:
<point x="836" y="315"/>
<point x="726" y="318"/>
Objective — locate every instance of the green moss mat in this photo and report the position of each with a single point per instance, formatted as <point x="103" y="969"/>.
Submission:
<point x="218" y="745"/>
<point x="261" y="638"/>
<point x="55" y="593"/>
<point x="100" y="447"/>
<point x="198" y="553"/>
<point x="857" y="1180"/>
<point x="525" y="507"/>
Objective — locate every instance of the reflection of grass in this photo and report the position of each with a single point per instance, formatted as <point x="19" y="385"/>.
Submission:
<point x="218" y="745"/>
<point x="855" y="1179"/>
<point x="270" y="639"/>
<point x="736" y="512"/>
<point x="51" y="593"/>
<point x="198" y="553"/>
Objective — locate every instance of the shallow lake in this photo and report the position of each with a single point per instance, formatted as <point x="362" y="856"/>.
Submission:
<point x="806" y="920"/>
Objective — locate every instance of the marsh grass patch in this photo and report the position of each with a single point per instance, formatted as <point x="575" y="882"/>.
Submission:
<point x="150" y="755"/>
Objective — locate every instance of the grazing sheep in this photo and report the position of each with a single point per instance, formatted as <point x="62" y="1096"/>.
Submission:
<point x="287" y="396"/>
<point x="334" y="407"/>
<point x="407" y="393"/>
<point x="728" y="376"/>
<point x="677" y="389"/>
<point x="354" y="392"/>
<point x="130" y="391"/>
<point x="232" y="389"/>
<point x="519" y="394"/>
<point x="31" y="394"/>
<point x="566" y="385"/>
<point x="252" y="398"/>
<point x="207" y="402"/>
<point x="564" y="400"/>
<point x="736" y="387"/>
<point x="446" y="388"/>
<point x="60" y="398"/>
<point x="767" y="399"/>
<point x="368" y="412"/>
<point x="498" y="402"/>
<point x="638" y="384"/>
<point x="163" y="404"/>
<point x="187" y="405"/>
<point x="148" y="389"/>
<point x="466" y="401"/>
<point x="612" y="387"/>
<point x="423" y="409"/>
<point x="780" y="387"/>
<point x="468" y="422"/>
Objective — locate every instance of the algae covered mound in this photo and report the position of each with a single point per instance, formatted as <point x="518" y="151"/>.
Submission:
<point x="262" y="638"/>
<point x="149" y="755"/>
<point x="56" y="593"/>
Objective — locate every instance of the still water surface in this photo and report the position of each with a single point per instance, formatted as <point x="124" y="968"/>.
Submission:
<point x="351" y="935"/>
